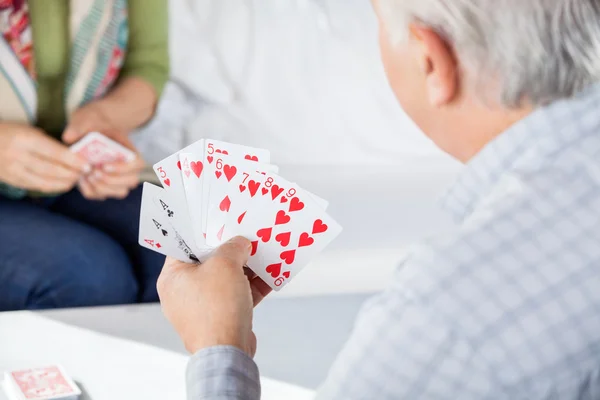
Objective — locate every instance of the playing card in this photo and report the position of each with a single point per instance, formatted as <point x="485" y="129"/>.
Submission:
<point x="98" y="149"/>
<point x="287" y="227"/>
<point x="212" y="152"/>
<point x="215" y="190"/>
<point x="48" y="383"/>
<point x="226" y="176"/>
<point x="157" y="234"/>
<point x="193" y="173"/>
<point x="171" y="174"/>
<point x="199" y="161"/>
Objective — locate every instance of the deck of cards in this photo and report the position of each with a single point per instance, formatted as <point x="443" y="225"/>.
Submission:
<point x="213" y="191"/>
<point x="98" y="149"/>
<point x="48" y="383"/>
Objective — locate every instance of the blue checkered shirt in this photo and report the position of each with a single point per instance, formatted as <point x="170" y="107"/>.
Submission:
<point x="505" y="307"/>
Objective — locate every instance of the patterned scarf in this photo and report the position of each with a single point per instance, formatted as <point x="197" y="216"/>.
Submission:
<point x="99" y="37"/>
<point x="99" y="34"/>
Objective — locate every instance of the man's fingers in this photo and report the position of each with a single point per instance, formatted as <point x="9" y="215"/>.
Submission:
<point x="170" y="267"/>
<point x="259" y="289"/>
<point x="58" y="153"/>
<point x="234" y="252"/>
<point x="172" y="264"/>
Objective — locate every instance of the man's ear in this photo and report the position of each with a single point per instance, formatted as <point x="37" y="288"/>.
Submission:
<point x="437" y="63"/>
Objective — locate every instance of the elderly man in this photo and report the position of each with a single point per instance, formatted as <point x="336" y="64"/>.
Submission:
<point x="508" y="305"/>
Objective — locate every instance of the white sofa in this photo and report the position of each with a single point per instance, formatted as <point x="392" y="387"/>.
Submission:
<point x="303" y="78"/>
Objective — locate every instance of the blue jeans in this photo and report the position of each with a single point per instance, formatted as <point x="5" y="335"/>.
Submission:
<point x="72" y="252"/>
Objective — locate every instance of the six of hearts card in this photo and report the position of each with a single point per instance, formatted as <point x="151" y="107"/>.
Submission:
<point x="212" y="191"/>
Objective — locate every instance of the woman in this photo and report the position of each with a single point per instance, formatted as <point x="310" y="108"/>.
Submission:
<point x="68" y="231"/>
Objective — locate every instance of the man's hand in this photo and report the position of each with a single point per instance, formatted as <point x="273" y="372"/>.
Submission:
<point x="211" y="304"/>
<point x="110" y="180"/>
<point x="32" y="160"/>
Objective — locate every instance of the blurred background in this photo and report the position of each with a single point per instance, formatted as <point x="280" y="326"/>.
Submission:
<point x="303" y="78"/>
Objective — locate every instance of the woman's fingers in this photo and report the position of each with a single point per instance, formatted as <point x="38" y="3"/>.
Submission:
<point x="129" y="180"/>
<point x="124" y="168"/>
<point x="57" y="153"/>
<point x="51" y="171"/>
<point x="104" y="189"/>
<point x="88" y="190"/>
<point x="31" y="180"/>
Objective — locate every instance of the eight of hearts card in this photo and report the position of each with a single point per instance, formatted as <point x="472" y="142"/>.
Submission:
<point x="212" y="191"/>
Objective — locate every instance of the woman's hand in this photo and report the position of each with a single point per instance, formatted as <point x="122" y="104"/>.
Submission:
<point x="32" y="160"/>
<point x="114" y="180"/>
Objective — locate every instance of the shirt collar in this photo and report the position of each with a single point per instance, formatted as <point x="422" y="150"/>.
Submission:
<point x="504" y="152"/>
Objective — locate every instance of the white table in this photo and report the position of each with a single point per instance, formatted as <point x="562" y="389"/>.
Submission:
<point x="317" y="326"/>
<point x="106" y="368"/>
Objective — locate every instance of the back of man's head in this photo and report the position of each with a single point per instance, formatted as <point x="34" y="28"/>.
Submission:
<point x="541" y="50"/>
<point x="465" y="70"/>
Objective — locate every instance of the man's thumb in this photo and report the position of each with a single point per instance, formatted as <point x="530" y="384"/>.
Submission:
<point x="236" y="251"/>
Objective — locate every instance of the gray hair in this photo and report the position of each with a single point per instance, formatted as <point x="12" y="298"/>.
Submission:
<point x="539" y="50"/>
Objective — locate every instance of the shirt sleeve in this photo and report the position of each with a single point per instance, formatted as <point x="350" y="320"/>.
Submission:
<point x="148" y="47"/>
<point x="400" y="350"/>
<point x="222" y="373"/>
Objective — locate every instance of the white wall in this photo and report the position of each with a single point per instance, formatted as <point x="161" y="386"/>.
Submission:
<point x="301" y="77"/>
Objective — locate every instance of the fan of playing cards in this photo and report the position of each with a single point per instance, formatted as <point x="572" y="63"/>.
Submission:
<point x="213" y="191"/>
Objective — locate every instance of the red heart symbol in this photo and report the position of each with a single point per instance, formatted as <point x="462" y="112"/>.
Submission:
<point x="251" y="158"/>
<point x="179" y="165"/>
<point x="288" y="256"/>
<point x="254" y="247"/>
<point x="265" y="191"/>
<point x="225" y="204"/>
<point x="167" y="182"/>
<point x="284" y="238"/>
<point x="296" y="204"/>
<point x="286" y="274"/>
<point x="264" y="234"/>
<point x="274" y="270"/>
<point x="283" y="199"/>
<point x="220" y="233"/>
<point x="218" y="151"/>
<point x="241" y="217"/>
<point x="319" y="227"/>
<point x="209" y="159"/>
<point x="305" y="240"/>
<point x="276" y="191"/>
<point x="282" y="218"/>
<point x="218" y="174"/>
<point x="230" y="172"/>
<point x="253" y="185"/>
<point x="225" y="152"/>
<point x="242" y="188"/>
<point x="197" y="167"/>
